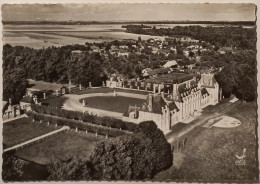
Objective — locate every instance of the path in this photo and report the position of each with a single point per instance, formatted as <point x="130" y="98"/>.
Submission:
<point x="11" y="119"/>
<point x="73" y="103"/>
<point x="203" y="120"/>
<point x="36" y="139"/>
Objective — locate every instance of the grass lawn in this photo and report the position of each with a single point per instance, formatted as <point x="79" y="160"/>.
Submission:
<point x="112" y="103"/>
<point x="209" y="154"/>
<point x="23" y="129"/>
<point x="60" y="146"/>
<point x="56" y="102"/>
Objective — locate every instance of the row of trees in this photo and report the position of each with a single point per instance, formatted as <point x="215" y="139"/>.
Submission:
<point x="237" y="36"/>
<point x="85" y="117"/>
<point x="103" y="130"/>
<point x="137" y="156"/>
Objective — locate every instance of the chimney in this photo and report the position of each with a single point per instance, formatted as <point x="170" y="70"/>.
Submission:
<point x="10" y="101"/>
<point x="175" y="91"/>
<point x="150" y="102"/>
<point x="162" y="94"/>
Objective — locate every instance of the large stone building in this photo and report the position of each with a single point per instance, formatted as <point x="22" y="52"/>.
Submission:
<point x="186" y="96"/>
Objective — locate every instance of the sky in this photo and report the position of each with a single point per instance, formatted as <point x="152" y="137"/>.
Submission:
<point x="129" y="12"/>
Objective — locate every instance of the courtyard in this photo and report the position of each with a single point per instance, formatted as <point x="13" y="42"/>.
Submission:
<point x="100" y="101"/>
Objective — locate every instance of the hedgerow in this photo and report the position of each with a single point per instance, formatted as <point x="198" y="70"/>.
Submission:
<point x="61" y="121"/>
<point x="85" y="117"/>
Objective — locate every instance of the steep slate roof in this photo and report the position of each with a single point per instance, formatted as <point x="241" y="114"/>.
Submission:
<point x="174" y="77"/>
<point x="5" y="106"/>
<point x="207" y="80"/>
<point x="157" y="104"/>
<point x="204" y="91"/>
<point x="26" y="99"/>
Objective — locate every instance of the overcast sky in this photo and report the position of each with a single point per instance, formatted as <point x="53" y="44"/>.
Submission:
<point x="136" y="12"/>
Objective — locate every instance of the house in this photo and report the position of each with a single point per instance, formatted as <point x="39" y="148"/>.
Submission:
<point x="114" y="81"/>
<point x="124" y="54"/>
<point x="171" y="64"/>
<point x="123" y="47"/>
<point x="224" y="50"/>
<point x="146" y="71"/>
<point x="77" y="54"/>
<point x="9" y="110"/>
<point x="95" y="48"/>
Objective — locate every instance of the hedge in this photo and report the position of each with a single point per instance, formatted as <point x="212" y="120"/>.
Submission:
<point x="86" y="117"/>
<point x="77" y="124"/>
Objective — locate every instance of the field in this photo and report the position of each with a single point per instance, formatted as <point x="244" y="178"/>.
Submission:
<point x="116" y="104"/>
<point x="60" y="146"/>
<point x="23" y="129"/>
<point x="211" y="153"/>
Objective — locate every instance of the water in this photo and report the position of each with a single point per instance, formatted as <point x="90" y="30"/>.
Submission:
<point x="39" y="36"/>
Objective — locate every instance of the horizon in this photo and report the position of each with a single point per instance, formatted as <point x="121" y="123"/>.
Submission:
<point x="129" y="12"/>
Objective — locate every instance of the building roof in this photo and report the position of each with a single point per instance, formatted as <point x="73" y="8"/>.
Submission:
<point x="26" y="99"/>
<point x="207" y="80"/>
<point x="174" y="77"/>
<point x="5" y="105"/>
<point x="170" y="64"/>
<point x="204" y="91"/>
<point x="159" y="71"/>
<point x="157" y="103"/>
<point x="225" y="49"/>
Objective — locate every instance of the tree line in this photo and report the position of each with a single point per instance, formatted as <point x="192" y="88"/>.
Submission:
<point x="236" y="36"/>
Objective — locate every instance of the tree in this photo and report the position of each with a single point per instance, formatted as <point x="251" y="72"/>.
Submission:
<point x="139" y="156"/>
<point x="14" y="84"/>
<point x="149" y="129"/>
<point x="70" y="169"/>
<point x="12" y="168"/>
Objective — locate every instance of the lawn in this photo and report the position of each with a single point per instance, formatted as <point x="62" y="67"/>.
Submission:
<point x="56" y="101"/>
<point x="210" y="153"/>
<point x="23" y="129"/>
<point x="112" y="103"/>
<point x="60" y="146"/>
